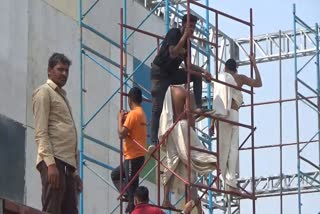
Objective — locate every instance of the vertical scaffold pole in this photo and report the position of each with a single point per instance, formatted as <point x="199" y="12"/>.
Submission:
<point x="280" y="122"/>
<point x="209" y="95"/>
<point x="81" y="103"/>
<point x="216" y="71"/>
<point x="297" y="107"/>
<point x="124" y="38"/>
<point x="252" y="117"/>
<point x="158" y="164"/>
<point x="167" y="18"/>
<point x="318" y="82"/>
<point x="167" y="27"/>
<point x="121" y="101"/>
<point x="188" y="103"/>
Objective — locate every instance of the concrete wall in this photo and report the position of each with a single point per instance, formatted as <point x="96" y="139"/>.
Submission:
<point x="98" y="195"/>
<point x="31" y="31"/>
<point x="49" y="30"/>
<point x="13" y="59"/>
<point x="13" y="73"/>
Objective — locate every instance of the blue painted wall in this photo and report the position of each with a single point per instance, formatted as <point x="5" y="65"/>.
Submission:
<point x="142" y="77"/>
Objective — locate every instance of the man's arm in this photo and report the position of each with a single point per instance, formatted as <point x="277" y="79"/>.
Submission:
<point x="41" y="110"/>
<point x="256" y="82"/>
<point x="122" y="130"/>
<point x="197" y="68"/>
<point x="78" y="181"/>
<point x="177" y="48"/>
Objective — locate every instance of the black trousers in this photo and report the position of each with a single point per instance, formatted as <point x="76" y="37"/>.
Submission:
<point x="62" y="200"/>
<point x="159" y="86"/>
<point x="130" y="168"/>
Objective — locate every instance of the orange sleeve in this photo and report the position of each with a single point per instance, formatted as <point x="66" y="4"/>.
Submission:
<point x="130" y="121"/>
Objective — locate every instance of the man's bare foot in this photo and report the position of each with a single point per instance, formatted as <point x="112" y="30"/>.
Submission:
<point x="199" y="207"/>
<point x="234" y="190"/>
<point x="202" y="113"/>
<point x="151" y="148"/>
<point x="201" y="110"/>
<point x="207" y="76"/>
<point x="167" y="204"/>
<point x="188" y="206"/>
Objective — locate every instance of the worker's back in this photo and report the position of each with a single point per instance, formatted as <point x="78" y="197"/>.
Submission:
<point x="146" y="208"/>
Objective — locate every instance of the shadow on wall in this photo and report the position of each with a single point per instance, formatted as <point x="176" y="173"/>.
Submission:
<point x="12" y="159"/>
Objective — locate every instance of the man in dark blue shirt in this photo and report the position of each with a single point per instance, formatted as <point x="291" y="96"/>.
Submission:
<point x="166" y="71"/>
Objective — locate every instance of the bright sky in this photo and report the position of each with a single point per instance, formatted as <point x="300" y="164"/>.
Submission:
<point x="270" y="17"/>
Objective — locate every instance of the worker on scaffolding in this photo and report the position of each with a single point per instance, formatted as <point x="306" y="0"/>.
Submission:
<point x="175" y="147"/>
<point x="132" y="127"/>
<point x="226" y="102"/>
<point x="141" y="201"/>
<point x="165" y="70"/>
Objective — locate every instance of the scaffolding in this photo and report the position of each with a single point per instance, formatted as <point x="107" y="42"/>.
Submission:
<point x="208" y="45"/>
<point x="302" y="89"/>
<point x="188" y="111"/>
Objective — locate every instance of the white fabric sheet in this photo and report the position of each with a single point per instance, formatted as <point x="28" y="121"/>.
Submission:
<point x="228" y="133"/>
<point x="223" y="95"/>
<point x="175" y="147"/>
<point x="229" y="149"/>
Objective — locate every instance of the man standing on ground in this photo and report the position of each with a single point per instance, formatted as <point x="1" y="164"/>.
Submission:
<point x="133" y="129"/>
<point x="56" y="136"/>
<point x="165" y="70"/>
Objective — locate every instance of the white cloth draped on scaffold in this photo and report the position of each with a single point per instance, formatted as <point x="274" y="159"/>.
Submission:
<point x="228" y="133"/>
<point x="223" y="95"/>
<point x="176" y="148"/>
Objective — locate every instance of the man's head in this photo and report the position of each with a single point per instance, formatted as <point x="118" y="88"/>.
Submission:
<point x="193" y="22"/>
<point x="231" y="65"/>
<point x="135" y="96"/>
<point x="141" y="195"/>
<point x="58" y="69"/>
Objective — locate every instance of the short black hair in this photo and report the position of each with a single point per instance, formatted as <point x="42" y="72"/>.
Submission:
<point x="142" y="194"/>
<point x="56" y="58"/>
<point x="193" y="18"/>
<point x="231" y="64"/>
<point x="135" y="94"/>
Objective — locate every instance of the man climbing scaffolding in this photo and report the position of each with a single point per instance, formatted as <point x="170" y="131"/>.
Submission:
<point x="226" y="102"/>
<point x="166" y="71"/>
<point x="132" y="126"/>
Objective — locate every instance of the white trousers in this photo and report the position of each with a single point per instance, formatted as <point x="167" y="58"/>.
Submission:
<point x="229" y="149"/>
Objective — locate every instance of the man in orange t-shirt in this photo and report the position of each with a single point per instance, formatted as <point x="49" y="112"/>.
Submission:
<point x="133" y="129"/>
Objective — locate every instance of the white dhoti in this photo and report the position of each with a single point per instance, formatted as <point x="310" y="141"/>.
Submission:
<point x="176" y="149"/>
<point x="229" y="149"/>
<point x="228" y="133"/>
